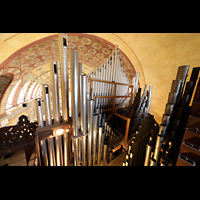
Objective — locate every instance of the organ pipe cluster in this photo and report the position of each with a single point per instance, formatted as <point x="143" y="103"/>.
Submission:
<point x="112" y="70"/>
<point x="88" y="142"/>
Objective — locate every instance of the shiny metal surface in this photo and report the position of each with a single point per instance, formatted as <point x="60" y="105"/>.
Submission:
<point x="64" y="77"/>
<point x="73" y="55"/>
<point x="83" y="117"/>
<point x="94" y="138"/>
<point x="90" y="114"/>
<point x="56" y="109"/>
<point x="55" y="91"/>
<point x="100" y="144"/>
<point x="38" y="107"/>
<point x="48" y="120"/>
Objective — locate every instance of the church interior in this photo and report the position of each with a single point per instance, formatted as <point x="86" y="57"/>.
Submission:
<point x="99" y="99"/>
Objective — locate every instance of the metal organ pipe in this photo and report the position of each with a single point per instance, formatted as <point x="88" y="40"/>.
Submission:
<point x="89" y="130"/>
<point x="95" y="118"/>
<point x="48" y="119"/>
<point x="63" y="57"/>
<point x="56" y="109"/>
<point x="74" y="100"/>
<point x="38" y="106"/>
<point x="83" y="117"/>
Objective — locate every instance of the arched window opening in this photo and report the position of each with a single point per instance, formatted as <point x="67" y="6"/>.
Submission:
<point x="22" y="93"/>
<point x="11" y="97"/>
<point x="39" y="91"/>
<point x="35" y="90"/>
<point x="30" y="92"/>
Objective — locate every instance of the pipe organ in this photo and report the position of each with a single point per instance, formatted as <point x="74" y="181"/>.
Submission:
<point x="86" y="138"/>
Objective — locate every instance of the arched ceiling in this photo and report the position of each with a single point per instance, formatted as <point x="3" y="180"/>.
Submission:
<point x="31" y="62"/>
<point x="156" y="56"/>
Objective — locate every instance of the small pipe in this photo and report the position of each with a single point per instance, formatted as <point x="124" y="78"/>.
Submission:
<point x="100" y="144"/>
<point x="105" y="153"/>
<point x="94" y="132"/>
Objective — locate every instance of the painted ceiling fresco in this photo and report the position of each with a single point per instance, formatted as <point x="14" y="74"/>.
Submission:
<point x="31" y="63"/>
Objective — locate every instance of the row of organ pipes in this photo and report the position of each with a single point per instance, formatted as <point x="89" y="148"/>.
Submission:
<point x="87" y="142"/>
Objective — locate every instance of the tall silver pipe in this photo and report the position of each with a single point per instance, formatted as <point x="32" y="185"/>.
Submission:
<point x="74" y="99"/>
<point x="87" y="98"/>
<point x="38" y="107"/>
<point x="80" y="106"/>
<point x="94" y="133"/>
<point x="83" y="117"/>
<point x="100" y="132"/>
<point x="66" y="148"/>
<point x="64" y="78"/>
<point x="56" y="109"/>
<point x="47" y="108"/>
<point x="48" y="119"/>
<point x="80" y="89"/>
<point x="90" y="113"/>
<point x="55" y="91"/>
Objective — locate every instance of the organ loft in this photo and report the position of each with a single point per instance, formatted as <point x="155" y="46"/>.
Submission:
<point x="74" y="99"/>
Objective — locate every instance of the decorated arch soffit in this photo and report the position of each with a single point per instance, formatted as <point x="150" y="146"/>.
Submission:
<point x="31" y="63"/>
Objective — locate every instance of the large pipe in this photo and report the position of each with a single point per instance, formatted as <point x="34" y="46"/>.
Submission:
<point x="64" y="78"/>
<point x="38" y="107"/>
<point x="73" y="54"/>
<point x="56" y="109"/>
<point x="48" y="119"/>
<point x="80" y="106"/>
<point x="63" y="58"/>
<point x="55" y="91"/>
<point x="83" y="117"/>
<point x="90" y="113"/>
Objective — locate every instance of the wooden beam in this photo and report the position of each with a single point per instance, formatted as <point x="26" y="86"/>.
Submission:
<point x="118" y="107"/>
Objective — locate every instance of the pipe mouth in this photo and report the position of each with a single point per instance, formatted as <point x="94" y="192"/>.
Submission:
<point x="105" y="143"/>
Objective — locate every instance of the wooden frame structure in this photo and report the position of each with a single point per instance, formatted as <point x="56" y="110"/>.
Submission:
<point x="114" y="109"/>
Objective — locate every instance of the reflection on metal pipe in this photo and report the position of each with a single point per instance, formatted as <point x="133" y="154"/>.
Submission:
<point x="100" y="145"/>
<point x="55" y="93"/>
<point x="38" y="107"/>
<point x="56" y="109"/>
<point x="105" y="153"/>
<point x="47" y="108"/>
<point x="41" y="124"/>
<point x="83" y="117"/>
<point x="63" y="57"/>
<point x="90" y="113"/>
<point x="94" y="133"/>
<point x="74" y="100"/>
<point x="48" y="119"/>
